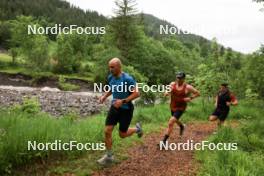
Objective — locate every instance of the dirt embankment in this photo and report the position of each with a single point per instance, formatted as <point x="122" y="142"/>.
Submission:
<point x="18" y="79"/>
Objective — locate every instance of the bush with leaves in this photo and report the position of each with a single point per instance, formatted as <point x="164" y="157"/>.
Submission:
<point x="34" y="47"/>
<point x="254" y="72"/>
<point x="29" y="105"/>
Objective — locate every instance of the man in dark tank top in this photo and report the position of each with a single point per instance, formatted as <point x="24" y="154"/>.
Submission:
<point x="223" y="101"/>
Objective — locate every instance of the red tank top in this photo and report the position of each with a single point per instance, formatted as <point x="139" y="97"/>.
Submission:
<point x="177" y="98"/>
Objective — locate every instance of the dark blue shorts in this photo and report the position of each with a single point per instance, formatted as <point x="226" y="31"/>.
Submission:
<point x="177" y="114"/>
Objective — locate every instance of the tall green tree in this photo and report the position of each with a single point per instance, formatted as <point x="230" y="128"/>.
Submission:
<point x="5" y="34"/>
<point x="254" y="72"/>
<point x="215" y="51"/>
<point x="125" y="32"/>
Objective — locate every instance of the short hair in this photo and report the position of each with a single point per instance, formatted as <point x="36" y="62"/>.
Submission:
<point x="224" y="84"/>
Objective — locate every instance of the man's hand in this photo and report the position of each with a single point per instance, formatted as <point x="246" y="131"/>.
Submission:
<point x="118" y="103"/>
<point x="228" y="103"/>
<point x="102" y="99"/>
<point x="166" y="94"/>
<point x="187" y="99"/>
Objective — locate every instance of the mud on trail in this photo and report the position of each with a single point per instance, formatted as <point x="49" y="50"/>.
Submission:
<point x="147" y="160"/>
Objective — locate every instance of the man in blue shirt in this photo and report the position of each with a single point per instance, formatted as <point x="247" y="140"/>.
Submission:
<point x="123" y="89"/>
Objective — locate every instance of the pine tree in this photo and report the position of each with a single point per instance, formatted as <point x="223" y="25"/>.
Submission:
<point x="125" y="8"/>
<point x="123" y="26"/>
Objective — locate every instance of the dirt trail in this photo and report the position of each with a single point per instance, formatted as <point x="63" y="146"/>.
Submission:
<point x="146" y="160"/>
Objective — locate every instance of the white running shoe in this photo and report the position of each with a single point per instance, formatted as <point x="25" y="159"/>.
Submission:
<point x="140" y="130"/>
<point x="105" y="159"/>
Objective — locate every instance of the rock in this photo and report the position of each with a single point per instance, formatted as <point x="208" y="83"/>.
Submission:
<point x="50" y="89"/>
<point x="54" y="101"/>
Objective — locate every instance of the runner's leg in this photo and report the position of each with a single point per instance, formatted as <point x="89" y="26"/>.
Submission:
<point x="108" y="157"/>
<point x="124" y="122"/>
<point x="108" y="136"/>
<point x="171" y="125"/>
<point x="220" y="123"/>
<point x="177" y="116"/>
<point x="213" y="118"/>
<point x="110" y="122"/>
<point x="129" y="132"/>
<point x="179" y="123"/>
<point x="169" y="129"/>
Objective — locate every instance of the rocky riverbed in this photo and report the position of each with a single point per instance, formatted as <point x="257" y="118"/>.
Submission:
<point x="54" y="101"/>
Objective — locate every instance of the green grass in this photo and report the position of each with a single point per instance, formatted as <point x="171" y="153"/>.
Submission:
<point x="52" y="48"/>
<point x="88" y="77"/>
<point x="63" y="85"/>
<point x="248" y="159"/>
<point x="38" y="75"/>
<point x="5" y="58"/>
<point x="24" y="123"/>
<point x="18" y="126"/>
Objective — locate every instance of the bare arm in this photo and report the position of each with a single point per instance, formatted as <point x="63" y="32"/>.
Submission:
<point x="233" y="101"/>
<point x="167" y="93"/>
<point x="216" y="99"/>
<point x="195" y="93"/>
<point x="104" y="97"/>
<point x="135" y="94"/>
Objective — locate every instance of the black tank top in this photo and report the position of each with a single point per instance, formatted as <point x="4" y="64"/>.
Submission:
<point x="223" y="97"/>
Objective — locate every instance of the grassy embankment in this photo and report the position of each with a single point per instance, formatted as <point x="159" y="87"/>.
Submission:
<point x="249" y="158"/>
<point x="21" y="124"/>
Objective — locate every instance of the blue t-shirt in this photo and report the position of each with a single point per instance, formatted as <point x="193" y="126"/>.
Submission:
<point x="121" y="86"/>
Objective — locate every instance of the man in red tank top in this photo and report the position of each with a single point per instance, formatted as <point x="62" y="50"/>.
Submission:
<point x="181" y="93"/>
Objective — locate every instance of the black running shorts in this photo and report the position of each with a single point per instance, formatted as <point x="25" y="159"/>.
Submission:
<point x="121" y="116"/>
<point x="221" y="114"/>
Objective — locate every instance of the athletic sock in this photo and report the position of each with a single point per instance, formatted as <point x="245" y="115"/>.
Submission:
<point x="137" y="130"/>
<point x="109" y="153"/>
<point x="165" y="138"/>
